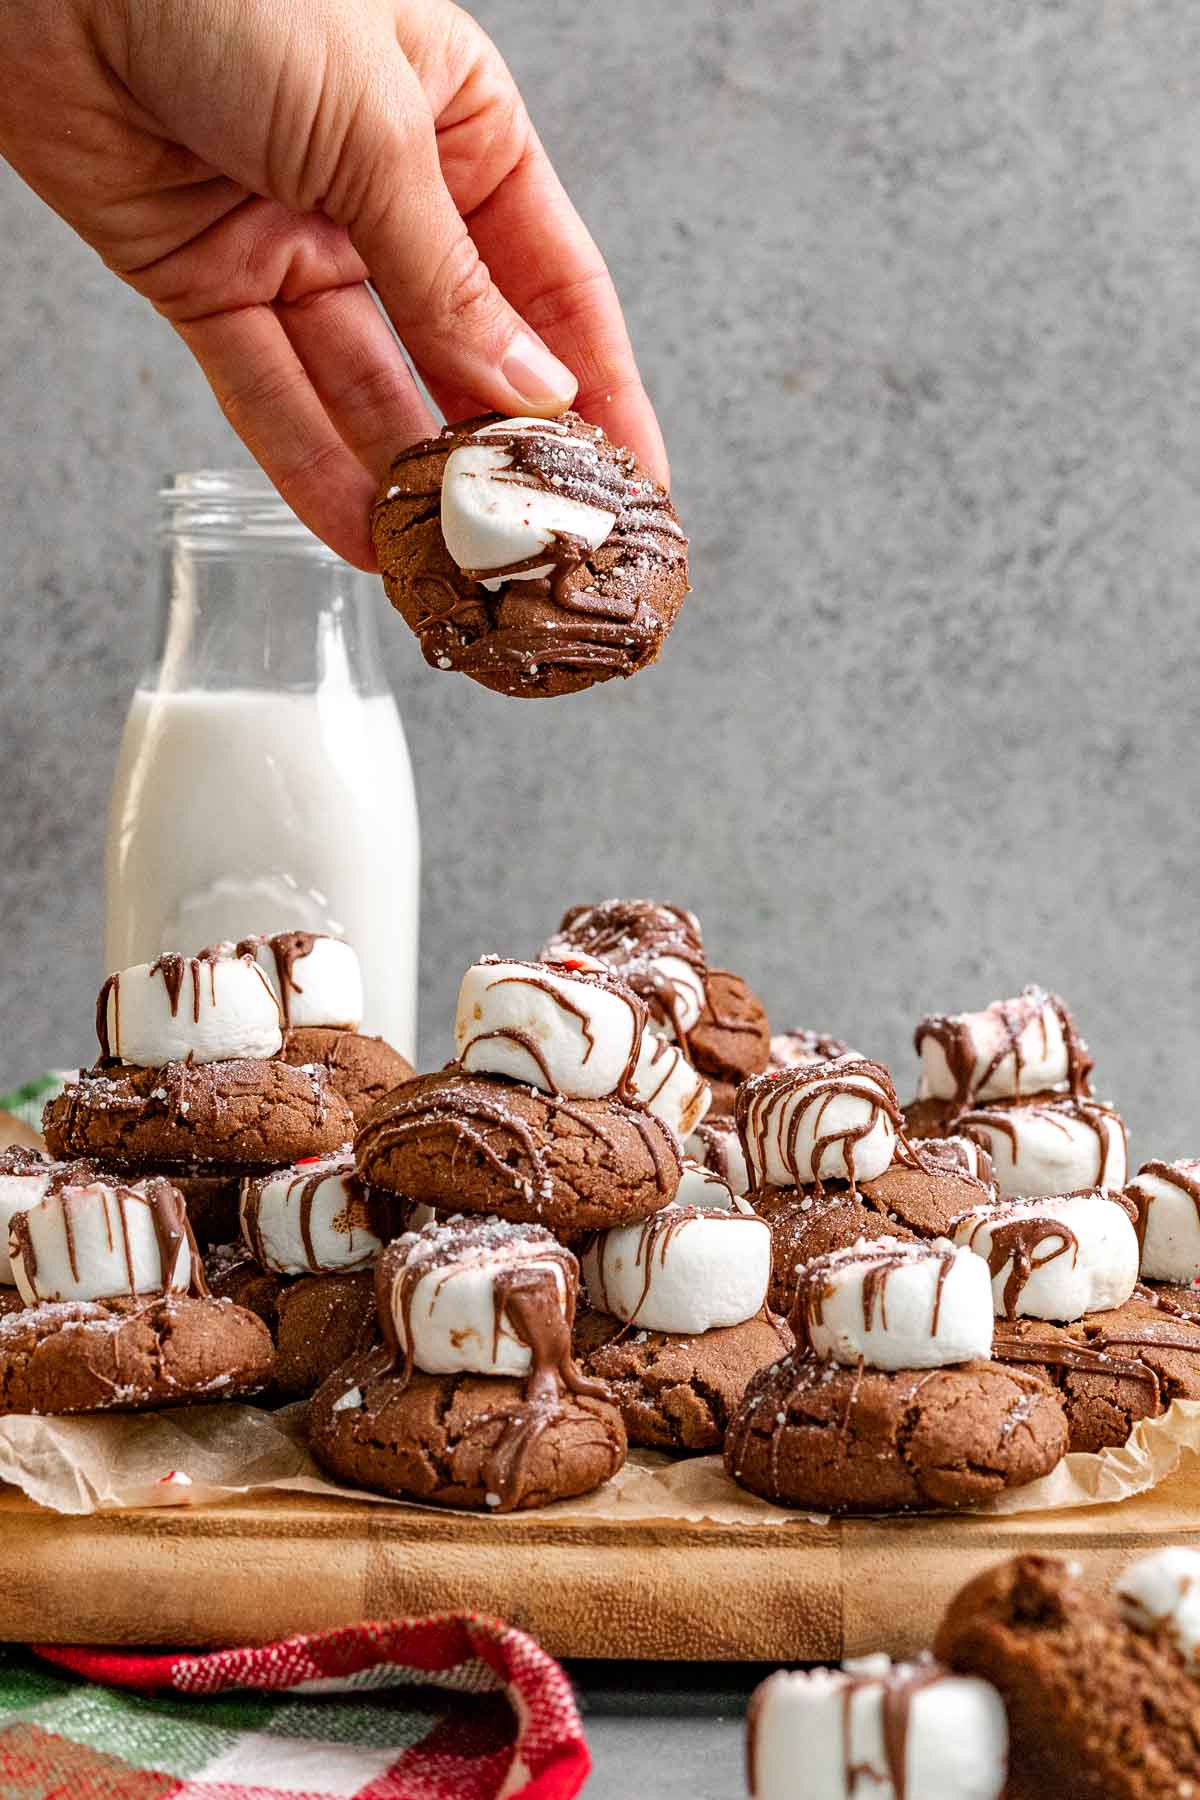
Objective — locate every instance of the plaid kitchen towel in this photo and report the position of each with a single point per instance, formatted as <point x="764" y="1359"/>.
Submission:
<point x="489" y="1716"/>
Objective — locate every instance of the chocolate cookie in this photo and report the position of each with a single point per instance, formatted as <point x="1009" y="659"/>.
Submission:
<point x="1180" y="1298"/>
<point x="804" y="1226"/>
<point x="461" y="1440"/>
<point x="124" y="1355"/>
<point x="599" y="613"/>
<point x="931" y="1118"/>
<point x="246" y="1113"/>
<point x="1111" y="1368"/>
<point x="731" y="1039"/>
<point x="361" y="1069"/>
<point x="677" y="1392"/>
<point x="479" y="1144"/>
<point x="724" y="1098"/>
<point x="923" y="1197"/>
<point x="859" y="1440"/>
<point x="317" y="1321"/>
<point x="1096" y="1710"/>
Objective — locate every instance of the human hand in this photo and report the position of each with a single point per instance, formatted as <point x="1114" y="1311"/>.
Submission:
<point x="249" y="166"/>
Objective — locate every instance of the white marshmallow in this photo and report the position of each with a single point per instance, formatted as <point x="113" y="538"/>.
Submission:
<point x="706" y="1189"/>
<point x="446" y="1284"/>
<point x="792" y="1048"/>
<point x="18" y="1192"/>
<point x="563" y="1032"/>
<point x="311" y="1219"/>
<point x="716" y="1144"/>
<point x="957" y="1155"/>
<point x="317" y="979"/>
<point x="847" y="1106"/>
<point x="820" y="1733"/>
<point x="1052" y="1149"/>
<point x="1056" y="1258"/>
<point x="94" y="1242"/>
<point x="681" y="1269"/>
<point x="212" y="1011"/>
<point x="1161" y="1592"/>
<point x="1167" y="1196"/>
<point x="491" y="520"/>
<point x="676" y="984"/>
<point x="1012" y="1047"/>
<point x="667" y="1085"/>
<point x="895" y="1305"/>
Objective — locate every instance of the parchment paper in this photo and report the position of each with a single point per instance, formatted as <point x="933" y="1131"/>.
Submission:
<point x="206" y="1454"/>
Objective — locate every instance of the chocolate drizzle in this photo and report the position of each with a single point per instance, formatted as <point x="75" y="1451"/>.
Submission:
<point x="77" y="1184"/>
<point x="1018" y="1234"/>
<point x="634" y="937"/>
<point x="954" y="1033"/>
<point x="808" y="1088"/>
<point x="287" y="949"/>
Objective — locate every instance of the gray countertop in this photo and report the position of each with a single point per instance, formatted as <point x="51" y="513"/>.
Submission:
<point x="670" y="1731"/>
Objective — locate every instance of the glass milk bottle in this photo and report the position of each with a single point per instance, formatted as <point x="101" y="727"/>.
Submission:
<point x="263" y="782"/>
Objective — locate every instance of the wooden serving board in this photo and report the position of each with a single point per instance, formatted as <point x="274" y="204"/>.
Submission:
<point x="261" y="1568"/>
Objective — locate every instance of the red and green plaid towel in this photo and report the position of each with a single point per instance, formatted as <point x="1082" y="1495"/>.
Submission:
<point x="488" y="1716"/>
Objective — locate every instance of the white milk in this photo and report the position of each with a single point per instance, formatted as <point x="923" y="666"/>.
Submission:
<point x="240" y="811"/>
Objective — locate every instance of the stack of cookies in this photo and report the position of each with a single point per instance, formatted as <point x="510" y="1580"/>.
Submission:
<point x="1041" y="1687"/>
<point x="891" y="1400"/>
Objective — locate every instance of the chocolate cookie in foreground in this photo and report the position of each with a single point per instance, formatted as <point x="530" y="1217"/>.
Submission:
<point x="1097" y="1710"/>
<point x="360" y="1069"/>
<point x="124" y="1355"/>
<point x="531" y="554"/>
<point x="678" y="1391"/>
<point x="481" y="1144"/>
<point x="248" y="1112"/>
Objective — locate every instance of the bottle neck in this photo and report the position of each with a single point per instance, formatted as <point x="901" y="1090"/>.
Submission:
<point x="250" y="599"/>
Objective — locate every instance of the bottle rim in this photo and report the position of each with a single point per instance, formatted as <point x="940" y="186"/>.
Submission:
<point x="238" y="501"/>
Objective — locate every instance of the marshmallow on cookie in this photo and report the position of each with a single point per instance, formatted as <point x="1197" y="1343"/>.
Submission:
<point x="876" y="1728"/>
<point x="1052" y="1147"/>
<point x="893" y="1305"/>
<point x="1021" y="1046"/>
<point x="1054" y="1259"/>
<point x="317" y="979"/>
<point x="478" y="1296"/>
<point x="818" y="1122"/>
<point x="657" y="949"/>
<point x="25" y="1177"/>
<point x="189" y="1008"/>
<point x="1160" y="1593"/>
<point x="104" y="1240"/>
<point x="704" y="1187"/>
<point x="685" y="1269"/>
<point x="1167" y="1199"/>
<point x="715" y="1143"/>
<point x="314" y="1218"/>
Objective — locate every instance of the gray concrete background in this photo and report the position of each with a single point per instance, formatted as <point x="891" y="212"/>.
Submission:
<point x="915" y="287"/>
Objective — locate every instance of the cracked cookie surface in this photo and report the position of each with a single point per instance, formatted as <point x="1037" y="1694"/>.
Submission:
<point x="361" y="1069"/>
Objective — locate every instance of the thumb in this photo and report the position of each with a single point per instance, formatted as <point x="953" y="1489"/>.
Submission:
<point x="465" y="338"/>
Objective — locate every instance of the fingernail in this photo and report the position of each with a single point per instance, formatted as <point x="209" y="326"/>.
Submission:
<point x="537" y="375"/>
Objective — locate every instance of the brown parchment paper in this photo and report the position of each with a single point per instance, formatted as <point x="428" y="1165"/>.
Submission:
<point x="207" y="1454"/>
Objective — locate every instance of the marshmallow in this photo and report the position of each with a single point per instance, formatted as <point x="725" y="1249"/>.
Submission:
<point x="494" y="517"/>
<point x="446" y="1290"/>
<point x="716" y="1144"/>
<point x="1167" y="1198"/>
<point x="874" y="1730"/>
<point x="789" y="1048"/>
<point x="704" y="1188"/>
<point x="895" y="1305"/>
<point x="1161" y="1592"/>
<point x="1053" y="1148"/>
<point x="816" y="1122"/>
<point x="657" y="949"/>
<point x="957" y="1156"/>
<point x="1054" y="1259"/>
<point x="553" y="1028"/>
<point x="25" y="1176"/>
<point x="311" y="1219"/>
<point x="103" y="1240"/>
<point x="667" y="1086"/>
<point x="186" y="1006"/>
<point x="317" y="979"/>
<point x="682" y="1269"/>
<point x="1012" y="1047"/>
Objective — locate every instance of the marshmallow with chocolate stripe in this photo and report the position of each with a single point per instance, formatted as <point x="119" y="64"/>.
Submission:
<point x="496" y="518"/>
<point x="815" y="1122"/>
<point x="876" y="1730"/>
<point x="895" y="1305"/>
<point x="1052" y="1147"/>
<point x="317" y="978"/>
<point x="1160" y="1593"/>
<point x="1167" y="1198"/>
<point x="1054" y="1258"/>
<point x="683" y="1269"/>
<point x="657" y="949"/>
<point x="667" y="1085"/>
<point x="472" y="1295"/>
<point x="703" y="1187"/>
<point x="179" y="1007"/>
<point x="103" y="1240"/>
<point x="1012" y="1047"/>
<point x="315" y="1217"/>
<point x="716" y="1144"/>
<point x="562" y="1030"/>
<point x="788" y="1048"/>
<point x="957" y="1156"/>
<point x="25" y="1175"/>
